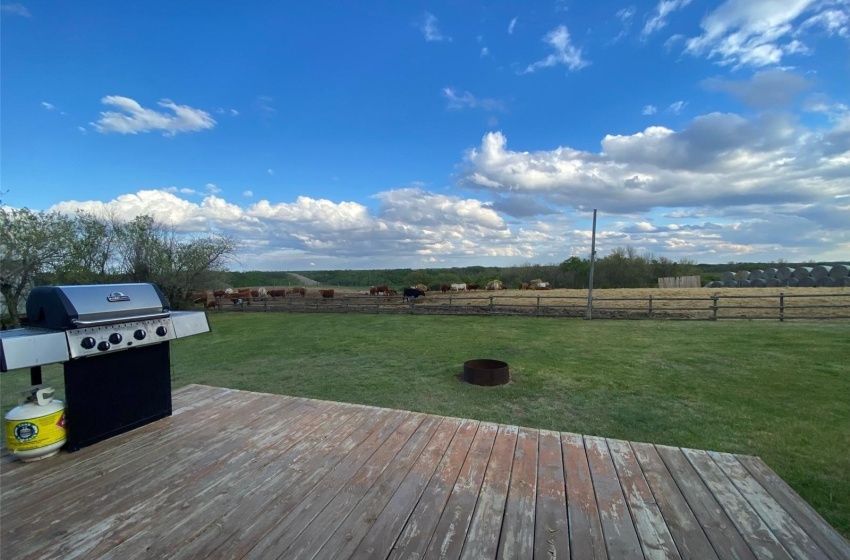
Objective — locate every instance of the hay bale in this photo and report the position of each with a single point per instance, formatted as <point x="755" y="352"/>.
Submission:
<point x="840" y="271"/>
<point x="788" y="282"/>
<point x="825" y="282"/>
<point x="714" y="284"/>
<point x="757" y="283"/>
<point x="730" y="284"/>
<point x="756" y="274"/>
<point x="769" y="273"/>
<point x="821" y="271"/>
<point x="727" y="276"/>
<point x="802" y="272"/>
<point x="744" y="284"/>
<point x="784" y="272"/>
<point x="495" y="285"/>
<point x="843" y="282"/>
<point x="806" y="282"/>
<point x="773" y="283"/>
<point x="742" y="275"/>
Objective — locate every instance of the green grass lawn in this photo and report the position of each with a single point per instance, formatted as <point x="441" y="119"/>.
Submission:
<point x="777" y="390"/>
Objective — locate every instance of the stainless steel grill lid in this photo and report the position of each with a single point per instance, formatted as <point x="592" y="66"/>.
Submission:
<point x="69" y="307"/>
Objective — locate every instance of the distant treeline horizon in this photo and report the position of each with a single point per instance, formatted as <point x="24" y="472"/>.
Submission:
<point x="623" y="268"/>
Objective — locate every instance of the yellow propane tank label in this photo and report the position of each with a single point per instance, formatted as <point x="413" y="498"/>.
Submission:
<point x="33" y="433"/>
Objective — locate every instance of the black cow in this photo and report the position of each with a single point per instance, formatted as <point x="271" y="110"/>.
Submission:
<point x="412" y="293"/>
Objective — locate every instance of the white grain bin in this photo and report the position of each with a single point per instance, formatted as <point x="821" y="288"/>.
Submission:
<point x="36" y="429"/>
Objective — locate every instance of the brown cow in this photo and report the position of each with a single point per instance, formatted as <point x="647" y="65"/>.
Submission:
<point x="382" y="290"/>
<point x="219" y="293"/>
<point x="472" y="287"/>
<point x="277" y="293"/>
<point x="373" y="291"/>
<point x="523" y="286"/>
<point x="446" y="288"/>
<point x="300" y="290"/>
<point x="327" y="293"/>
<point x="211" y="303"/>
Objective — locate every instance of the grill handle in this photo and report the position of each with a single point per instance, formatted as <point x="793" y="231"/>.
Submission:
<point x="102" y="322"/>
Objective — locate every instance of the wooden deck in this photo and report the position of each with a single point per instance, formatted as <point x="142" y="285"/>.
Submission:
<point x="235" y="474"/>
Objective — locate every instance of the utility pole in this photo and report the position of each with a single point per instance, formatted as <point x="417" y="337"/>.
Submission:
<point x="592" y="263"/>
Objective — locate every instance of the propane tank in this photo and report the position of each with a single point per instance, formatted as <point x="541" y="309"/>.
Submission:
<point x="36" y="429"/>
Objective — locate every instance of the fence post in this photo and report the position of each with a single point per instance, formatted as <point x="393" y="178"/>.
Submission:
<point x="781" y="307"/>
<point x="265" y="305"/>
<point x="538" y="306"/>
<point x="650" y="306"/>
<point x="713" y="308"/>
<point x="491" y="305"/>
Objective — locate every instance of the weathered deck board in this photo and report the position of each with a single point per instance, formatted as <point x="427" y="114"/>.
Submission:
<point x="652" y="530"/>
<point x="802" y="512"/>
<point x="235" y="474"/>
<point x="551" y="527"/>
<point x="517" y="539"/>
<point x="728" y="543"/>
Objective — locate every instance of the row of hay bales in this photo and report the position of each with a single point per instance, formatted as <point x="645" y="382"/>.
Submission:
<point x="822" y="276"/>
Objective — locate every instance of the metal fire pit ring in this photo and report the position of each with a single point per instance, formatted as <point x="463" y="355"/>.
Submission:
<point x="486" y="372"/>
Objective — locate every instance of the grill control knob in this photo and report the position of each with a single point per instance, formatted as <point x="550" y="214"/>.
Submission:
<point x="161" y="331"/>
<point x="140" y="334"/>
<point x="115" y="338"/>
<point x="88" y="343"/>
<point x="103" y="346"/>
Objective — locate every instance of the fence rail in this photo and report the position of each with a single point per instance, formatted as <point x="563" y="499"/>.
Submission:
<point x="780" y="307"/>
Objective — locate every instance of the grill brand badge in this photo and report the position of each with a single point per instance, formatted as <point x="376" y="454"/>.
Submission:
<point x="117" y="296"/>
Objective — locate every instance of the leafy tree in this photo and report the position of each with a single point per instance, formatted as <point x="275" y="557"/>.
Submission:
<point x="31" y="244"/>
<point x="576" y="272"/>
<point x="152" y="252"/>
<point x="94" y="250"/>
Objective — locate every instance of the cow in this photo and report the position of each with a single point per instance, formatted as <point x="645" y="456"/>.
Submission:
<point x="298" y="290"/>
<point x="219" y="293"/>
<point x="524" y="286"/>
<point x="446" y="288"/>
<point x="472" y="287"/>
<point x="382" y="290"/>
<point x="412" y="293"/>
<point x="327" y="293"/>
<point x="459" y="287"/>
<point x="255" y="293"/>
<point x="277" y="293"/>
<point x="211" y="303"/>
<point x="373" y="291"/>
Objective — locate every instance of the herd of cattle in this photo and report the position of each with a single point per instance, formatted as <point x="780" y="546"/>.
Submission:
<point x="247" y="295"/>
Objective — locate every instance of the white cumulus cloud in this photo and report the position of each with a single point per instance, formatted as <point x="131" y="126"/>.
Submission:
<point x="658" y="20"/>
<point x="430" y="29"/>
<point x="760" y="33"/>
<point x="565" y="52"/>
<point x="132" y="118"/>
<point x="467" y="100"/>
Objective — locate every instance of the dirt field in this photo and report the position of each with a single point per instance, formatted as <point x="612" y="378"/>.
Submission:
<point x="682" y="303"/>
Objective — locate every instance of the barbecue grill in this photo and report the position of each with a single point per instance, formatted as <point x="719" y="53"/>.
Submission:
<point x="114" y="343"/>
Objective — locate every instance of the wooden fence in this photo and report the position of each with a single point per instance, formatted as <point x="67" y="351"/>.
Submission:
<point x="780" y="307"/>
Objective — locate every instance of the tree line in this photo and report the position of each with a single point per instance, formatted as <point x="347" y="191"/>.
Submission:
<point x="49" y="248"/>
<point x="624" y="267"/>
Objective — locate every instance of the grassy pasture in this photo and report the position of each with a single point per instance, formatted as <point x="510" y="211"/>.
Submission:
<point x="777" y="390"/>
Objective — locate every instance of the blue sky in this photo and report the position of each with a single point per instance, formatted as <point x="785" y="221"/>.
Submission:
<point x="439" y="134"/>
